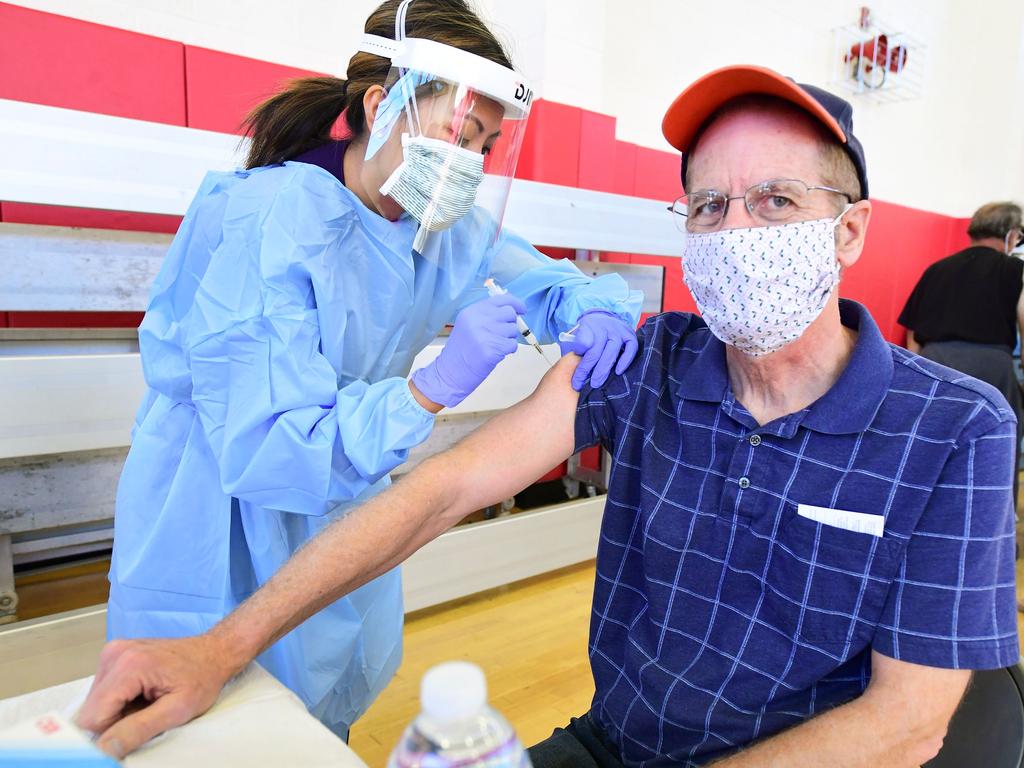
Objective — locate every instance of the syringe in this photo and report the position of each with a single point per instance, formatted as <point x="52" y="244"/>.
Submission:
<point x="493" y="289"/>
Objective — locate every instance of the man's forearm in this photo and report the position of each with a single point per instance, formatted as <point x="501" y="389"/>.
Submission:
<point x="347" y="554"/>
<point x="889" y="728"/>
<point x="494" y="462"/>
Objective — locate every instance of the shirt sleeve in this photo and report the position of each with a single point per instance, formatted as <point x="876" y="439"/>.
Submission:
<point x="601" y="411"/>
<point x="285" y="436"/>
<point x="555" y="292"/>
<point x="953" y="602"/>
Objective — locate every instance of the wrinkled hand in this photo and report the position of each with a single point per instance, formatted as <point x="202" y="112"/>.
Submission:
<point x="601" y="339"/>
<point x="173" y="681"/>
<point x="484" y="334"/>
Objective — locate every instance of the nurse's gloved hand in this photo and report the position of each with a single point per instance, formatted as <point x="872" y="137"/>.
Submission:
<point x="484" y="334"/>
<point x="601" y="339"/>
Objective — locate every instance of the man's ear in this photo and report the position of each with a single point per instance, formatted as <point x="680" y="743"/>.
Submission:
<point x="1014" y="238"/>
<point x="851" y="232"/>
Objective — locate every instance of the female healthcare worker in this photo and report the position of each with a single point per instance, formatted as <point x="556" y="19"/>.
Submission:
<point x="283" y="326"/>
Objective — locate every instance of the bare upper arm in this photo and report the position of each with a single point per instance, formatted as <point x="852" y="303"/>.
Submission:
<point x="929" y="695"/>
<point x="520" y="444"/>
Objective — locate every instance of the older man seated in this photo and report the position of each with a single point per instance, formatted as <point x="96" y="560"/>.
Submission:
<point x="808" y="539"/>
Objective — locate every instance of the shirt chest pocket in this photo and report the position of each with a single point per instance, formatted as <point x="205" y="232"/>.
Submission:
<point x="824" y="585"/>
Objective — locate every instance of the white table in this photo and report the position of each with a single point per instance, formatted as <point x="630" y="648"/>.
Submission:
<point x="256" y="722"/>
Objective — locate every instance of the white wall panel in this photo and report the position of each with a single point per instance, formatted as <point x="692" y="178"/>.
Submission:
<point x="958" y="146"/>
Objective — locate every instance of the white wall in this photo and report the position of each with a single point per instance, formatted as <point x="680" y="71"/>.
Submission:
<point x="960" y="144"/>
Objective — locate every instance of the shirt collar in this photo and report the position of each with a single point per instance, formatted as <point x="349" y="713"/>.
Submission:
<point x="848" y="407"/>
<point x="852" y="402"/>
<point x="707" y="377"/>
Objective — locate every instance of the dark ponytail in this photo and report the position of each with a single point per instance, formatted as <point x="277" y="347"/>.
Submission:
<point x="294" y="120"/>
<point x="301" y="117"/>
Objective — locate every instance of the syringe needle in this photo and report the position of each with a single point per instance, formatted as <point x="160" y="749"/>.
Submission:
<point x="493" y="289"/>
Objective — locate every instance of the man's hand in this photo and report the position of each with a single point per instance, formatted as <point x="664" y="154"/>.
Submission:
<point x="145" y="687"/>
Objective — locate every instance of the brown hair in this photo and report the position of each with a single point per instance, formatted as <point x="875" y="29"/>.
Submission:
<point x="302" y="116"/>
<point x="994" y="220"/>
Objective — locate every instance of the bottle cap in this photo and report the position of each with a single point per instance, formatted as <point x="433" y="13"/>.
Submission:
<point x="453" y="691"/>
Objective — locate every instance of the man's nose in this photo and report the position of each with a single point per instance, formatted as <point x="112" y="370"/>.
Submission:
<point x="737" y="216"/>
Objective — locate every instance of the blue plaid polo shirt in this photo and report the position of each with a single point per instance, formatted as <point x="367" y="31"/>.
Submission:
<point x="721" y="616"/>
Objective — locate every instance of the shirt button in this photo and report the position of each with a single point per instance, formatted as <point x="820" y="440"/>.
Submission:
<point x="744" y="483"/>
<point x="755" y="440"/>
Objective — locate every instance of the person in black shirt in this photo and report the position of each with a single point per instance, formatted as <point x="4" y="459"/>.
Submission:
<point x="965" y="309"/>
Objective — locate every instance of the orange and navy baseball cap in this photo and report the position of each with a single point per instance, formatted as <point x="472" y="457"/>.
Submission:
<point x="689" y="113"/>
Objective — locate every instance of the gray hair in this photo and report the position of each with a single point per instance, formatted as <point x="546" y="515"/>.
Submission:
<point x="994" y="220"/>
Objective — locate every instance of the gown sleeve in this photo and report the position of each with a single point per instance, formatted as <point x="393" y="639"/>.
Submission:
<point x="284" y="434"/>
<point x="555" y="292"/>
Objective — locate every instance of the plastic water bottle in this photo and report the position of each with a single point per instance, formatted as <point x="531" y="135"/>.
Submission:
<point x="456" y="727"/>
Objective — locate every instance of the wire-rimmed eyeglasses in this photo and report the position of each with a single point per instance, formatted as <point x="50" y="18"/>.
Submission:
<point x="775" y="201"/>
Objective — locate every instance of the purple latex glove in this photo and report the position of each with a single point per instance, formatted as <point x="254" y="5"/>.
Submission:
<point x="601" y="338"/>
<point x="484" y="334"/>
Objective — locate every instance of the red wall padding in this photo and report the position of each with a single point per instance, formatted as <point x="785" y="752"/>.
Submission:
<point x="623" y="167"/>
<point x="3" y="315"/>
<point x="551" y="152"/>
<point x="65" y="62"/>
<point x="551" y="146"/>
<point x="901" y="243"/>
<point x="597" y="152"/>
<point x="74" y="319"/>
<point x="590" y="458"/>
<point x="657" y="175"/>
<point x="221" y="88"/>
<point x="63" y="216"/>
<point x="653" y="174"/>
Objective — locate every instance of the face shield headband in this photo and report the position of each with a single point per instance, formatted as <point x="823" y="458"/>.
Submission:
<point x="461" y="118"/>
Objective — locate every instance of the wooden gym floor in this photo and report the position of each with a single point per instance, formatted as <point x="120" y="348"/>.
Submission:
<point x="531" y="641"/>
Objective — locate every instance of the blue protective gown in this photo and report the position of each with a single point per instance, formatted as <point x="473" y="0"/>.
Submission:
<point x="276" y="346"/>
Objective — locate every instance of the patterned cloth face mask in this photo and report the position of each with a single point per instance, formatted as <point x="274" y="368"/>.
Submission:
<point x="436" y="183"/>
<point x="759" y="288"/>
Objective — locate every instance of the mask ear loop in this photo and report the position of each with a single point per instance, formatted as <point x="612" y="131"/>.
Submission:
<point x="836" y="222"/>
<point x="1008" y="247"/>
<point x="839" y="218"/>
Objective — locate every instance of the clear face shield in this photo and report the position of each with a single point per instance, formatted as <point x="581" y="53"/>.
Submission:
<point x="451" y="127"/>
